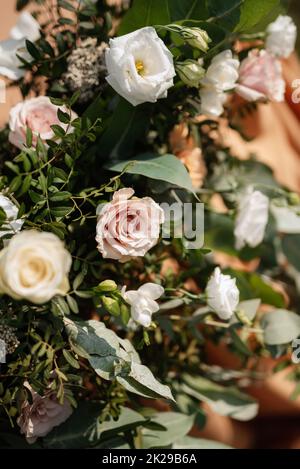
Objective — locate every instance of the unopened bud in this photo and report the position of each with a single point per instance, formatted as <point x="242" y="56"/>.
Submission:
<point x="294" y="198"/>
<point x="197" y="38"/>
<point x="111" y="305"/>
<point x="190" y="72"/>
<point x="107" y="286"/>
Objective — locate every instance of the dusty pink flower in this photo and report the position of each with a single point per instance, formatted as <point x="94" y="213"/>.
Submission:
<point x="39" y="418"/>
<point x="128" y="227"/>
<point x="38" y="114"/>
<point x="260" y="77"/>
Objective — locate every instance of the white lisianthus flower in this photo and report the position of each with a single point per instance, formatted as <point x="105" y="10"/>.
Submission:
<point x="221" y="76"/>
<point x="142" y="302"/>
<point x="34" y="266"/>
<point x="281" y="36"/>
<point x="222" y="294"/>
<point x="140" y="66"/>
<point x="12" y="224"/>
<point x="26" y="28"/>
<point x="252" y="219"/>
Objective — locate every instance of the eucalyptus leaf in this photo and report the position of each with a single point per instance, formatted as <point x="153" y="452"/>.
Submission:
<point x="223" y="400"/>
<point x="166" y="168"/>
<point x="280" y="327"/>
<point x="175" y="425"/>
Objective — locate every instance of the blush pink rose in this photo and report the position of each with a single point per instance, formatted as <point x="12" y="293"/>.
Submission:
<point x="128" y="227"/>
<point x="42" y="415"/>
<point x="260" y="77"/>
<point x="38" y="114"/>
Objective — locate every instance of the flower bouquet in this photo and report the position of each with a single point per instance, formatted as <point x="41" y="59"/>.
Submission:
<point x="118" y="200"/>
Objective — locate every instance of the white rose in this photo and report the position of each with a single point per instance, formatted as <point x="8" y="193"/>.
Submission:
<point x="26" y="28"/>
<point x="142" y="302"/>
<point x="12" y="224"/>
<point x="212" y="101"/>
<point x="252" y="219"/>
<point x="34" y="266"/>
<point x="140" y="66"/>
<point x="222" y="72"/>
<point x="38" y="114"/>
<point x="281" y="36"/>
<point x="222" y="294"/>
<point x="128" y="227"/>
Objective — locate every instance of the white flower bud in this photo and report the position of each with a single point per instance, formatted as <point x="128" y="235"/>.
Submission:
<point x="190" y="72"/>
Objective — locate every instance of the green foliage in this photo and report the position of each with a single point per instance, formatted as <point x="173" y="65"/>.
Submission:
<point x="165" y="168"/>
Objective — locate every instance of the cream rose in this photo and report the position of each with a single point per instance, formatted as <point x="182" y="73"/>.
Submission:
<point x="140" y="67"/>
<point x="128" y="227"/>
<point x="34" y="266"/>
<point x="222" y="294"/>
<point x="260" y="77"/>
<point x="40" y="416"/>
<point x="38" y="114"/>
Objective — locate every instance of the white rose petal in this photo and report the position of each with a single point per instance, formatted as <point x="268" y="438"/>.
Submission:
<point x="140" y="66"/>
<point x="222" y="72"/>
<point x="26" y="28"/>
<point x="142" y="302"/>
<point x="281" y="36"/>
<point x="252" y="219"/>
<point x="12" y="224"/>
<point x="212" y="101"/>
<point x="221" y="76"/>
<point x="34" y="266"/>
<point x="222" y="294"/>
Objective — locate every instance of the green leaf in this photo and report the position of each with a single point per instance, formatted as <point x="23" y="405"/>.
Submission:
<point x="253" y="12"/>
<point x="33" y="50"/>
<point x="113" y="358"/>
<point x="59" y="196"/>
<point x="290" y="247"/>
<point x="141" y="381"/>
<point x="159" y="12"/>
<point x="166" y="168"/>
<point x="127" y="125"/>
<point x="223" y="400"/>
<point x="84" y="429"/>
<point x="145" y="13"/>
<point x="174" y="426"/>
<point x="280" y="327"/>
<point x="227" y="13"/>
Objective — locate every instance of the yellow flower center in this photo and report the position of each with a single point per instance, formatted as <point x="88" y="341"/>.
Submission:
<point x="140" y="67"/>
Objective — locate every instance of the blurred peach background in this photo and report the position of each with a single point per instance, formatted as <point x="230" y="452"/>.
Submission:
<point x="275" y="129"/>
